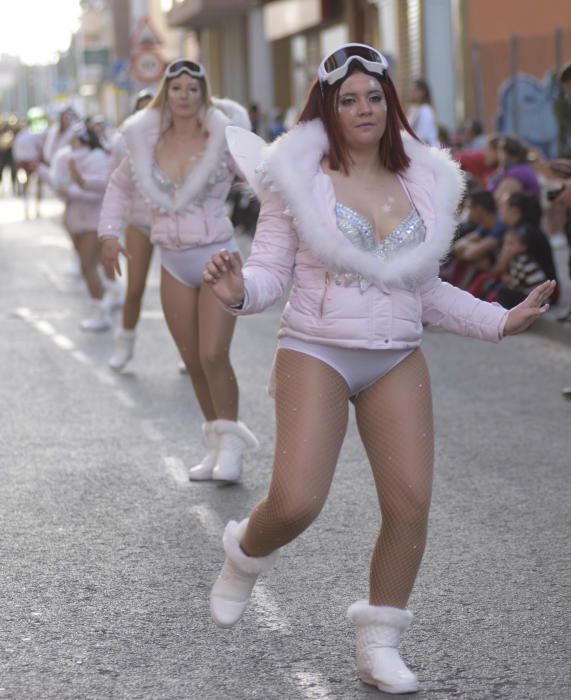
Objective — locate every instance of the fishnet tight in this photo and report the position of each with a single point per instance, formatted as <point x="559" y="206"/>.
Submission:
<point x="394" y="418"/>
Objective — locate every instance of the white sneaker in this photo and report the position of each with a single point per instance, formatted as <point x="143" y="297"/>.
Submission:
<point x="124" y="347"/>
<point x="98" y="318"/>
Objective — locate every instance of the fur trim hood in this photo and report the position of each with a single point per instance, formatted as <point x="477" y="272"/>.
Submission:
<point x="141" y="132"/>
<point x="292" y="166"/>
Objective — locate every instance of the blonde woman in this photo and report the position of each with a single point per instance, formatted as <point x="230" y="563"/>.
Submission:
<point x="177" y="158"/>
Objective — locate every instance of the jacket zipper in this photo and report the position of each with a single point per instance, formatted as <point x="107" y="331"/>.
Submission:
<point x="325" y="290"/>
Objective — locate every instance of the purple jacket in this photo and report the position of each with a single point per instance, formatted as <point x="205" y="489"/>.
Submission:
<point x="297" y="242"/>
<point x="196" y="214"/>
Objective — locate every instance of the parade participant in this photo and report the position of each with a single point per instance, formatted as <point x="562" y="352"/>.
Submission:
<point x="177" y="158"/>
<point x="26" y="152"/>
<point x="140" y="248"/>
<point x="421" y="113"/>
<point x="80" y="174"/>
<point x="356" y="215"/>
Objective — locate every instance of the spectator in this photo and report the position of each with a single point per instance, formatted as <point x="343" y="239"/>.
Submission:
<point x="421" y="115"/>
<point x="516" y="173"/>
<point x="278" y="127"/>
<point x="529" y="263"/>
<point x="473" y="136"/>
<point x="476" y="252"/>
<point x="481" y="163"/>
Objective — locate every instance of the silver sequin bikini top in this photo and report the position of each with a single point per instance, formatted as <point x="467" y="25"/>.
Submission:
<point x="163" y="181"/>
<point x="362" y="234"/>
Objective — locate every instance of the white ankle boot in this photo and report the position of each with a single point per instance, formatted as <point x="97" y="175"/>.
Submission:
<point x="234" y="438"/>
<point x="98" y="318"/>
<point x="203" y="471"/>
<point x="123" y="352"/>
<point x="379" y="629"/>
<point x="232" y="590"/>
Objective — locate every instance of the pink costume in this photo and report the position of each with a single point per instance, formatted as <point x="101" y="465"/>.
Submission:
<point x="83" y="204"/>
<point x="185" y="216"/>
<point x="343" y="295"/>
<point x="139" y="212"/>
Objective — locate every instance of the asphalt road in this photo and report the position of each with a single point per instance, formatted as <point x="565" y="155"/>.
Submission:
<point x="108" y="552"/>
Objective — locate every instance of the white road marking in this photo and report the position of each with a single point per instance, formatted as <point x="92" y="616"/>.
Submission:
<point x="151" y="432"/>
<point x="63" y="342"/>
<point x="152" y="315"/>
<point x="52" y="277"/>
<point x="209" y="519"/>
<point x="23" y="312"/>
<point x="104" y="377"/>
<point x="44" y="327"/>
<point x="81" y="357"/>
<point x="176" y="470"/>
<point x="124" y="398"/>
<point x="269" y="611"/>
<point x="312" y="684"/>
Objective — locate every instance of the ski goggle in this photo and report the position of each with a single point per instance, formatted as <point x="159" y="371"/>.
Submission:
<point x="335" y="66"/>
<point x="180" y="66"/>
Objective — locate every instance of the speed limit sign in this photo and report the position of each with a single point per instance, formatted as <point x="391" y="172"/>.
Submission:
<point x="147" y="66"/>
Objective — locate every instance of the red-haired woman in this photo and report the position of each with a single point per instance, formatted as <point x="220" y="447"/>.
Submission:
<point x="358" y="214"/>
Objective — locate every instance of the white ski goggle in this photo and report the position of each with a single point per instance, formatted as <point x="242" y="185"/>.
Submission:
<point x="335" y="66"/>
<point x="182" y="65"/>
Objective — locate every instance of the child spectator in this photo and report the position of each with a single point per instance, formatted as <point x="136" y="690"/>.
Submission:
<point x="477" y="251"/>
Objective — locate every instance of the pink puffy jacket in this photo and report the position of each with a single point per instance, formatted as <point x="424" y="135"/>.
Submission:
<point x="139" y="213"/>
<point x="83" y="204"/>
<point x="196" y="214"/>
<point x="297" y="241"/>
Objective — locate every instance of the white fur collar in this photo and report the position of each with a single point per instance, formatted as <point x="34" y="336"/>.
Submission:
<point x="290" y="165"/>
<point x="142" y="131"/>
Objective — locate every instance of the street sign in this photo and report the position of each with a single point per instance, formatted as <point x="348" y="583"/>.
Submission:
<point x="147" y="65"/>
<point x="145" y="35"/>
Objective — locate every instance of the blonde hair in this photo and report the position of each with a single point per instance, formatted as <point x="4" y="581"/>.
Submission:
<point x="159" y="101"/>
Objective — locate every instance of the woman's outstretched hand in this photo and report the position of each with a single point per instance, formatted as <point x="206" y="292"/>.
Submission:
<point x="110" y="250"/>
<point x="224" y="275"/>
<point x="534" y="305"/>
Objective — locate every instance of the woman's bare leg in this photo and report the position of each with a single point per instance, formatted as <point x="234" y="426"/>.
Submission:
<point x="89" y="250"/>
<point x="141" y="251"/>
<point x="311" y="421"/>
<point x="215" y="331"/>
<point x="180" y="307"/>
<point x="394" y="418"/>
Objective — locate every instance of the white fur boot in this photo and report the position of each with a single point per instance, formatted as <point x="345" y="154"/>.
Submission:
<point x="379" y="629"/>
<point x="232" y="590"/>
<point x="203" y="471"/>
<point x="235" y="438"/>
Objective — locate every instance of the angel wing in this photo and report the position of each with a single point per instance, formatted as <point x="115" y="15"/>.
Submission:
<point x="247" y="149"/>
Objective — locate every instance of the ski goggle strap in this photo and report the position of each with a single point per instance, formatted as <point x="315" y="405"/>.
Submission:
<point x="182" y="65"/>
<point x="335" y="66"/>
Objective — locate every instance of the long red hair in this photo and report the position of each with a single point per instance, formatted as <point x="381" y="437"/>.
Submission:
<point x="321" y="103"/>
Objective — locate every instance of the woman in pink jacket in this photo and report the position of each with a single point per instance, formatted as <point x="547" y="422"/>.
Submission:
<point x="137" y="242"/>
<point x="177" y="159"/>
<point x="79" y="174"/>
<point x="356" y="215"/>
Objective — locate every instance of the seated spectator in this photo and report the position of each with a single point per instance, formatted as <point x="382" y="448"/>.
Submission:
<point x="482" y="163"/>
<point x="529" y="262"/>
<point x="473" y="136"/>
<point x="476" y="251"/>
<point x="525" y="259"/>
<point x="516" y="174"/>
